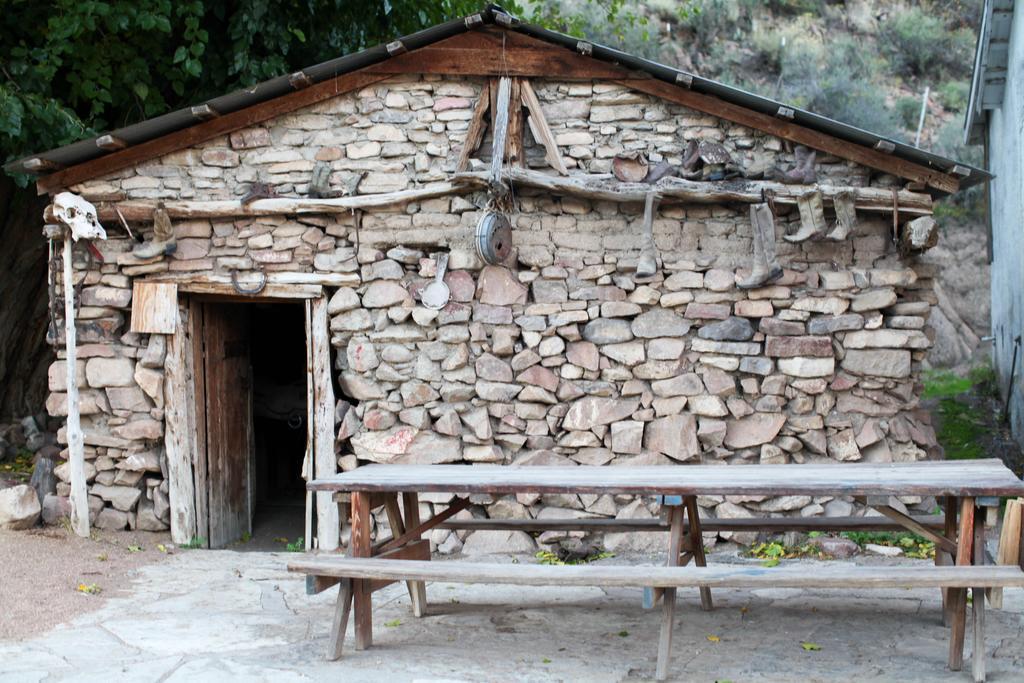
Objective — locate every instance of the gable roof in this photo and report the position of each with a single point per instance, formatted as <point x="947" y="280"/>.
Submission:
<point x="460" y="46"/>
<point x="991" y="60"/>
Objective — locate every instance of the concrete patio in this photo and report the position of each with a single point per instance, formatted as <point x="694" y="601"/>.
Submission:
<point x="220" y="615"/>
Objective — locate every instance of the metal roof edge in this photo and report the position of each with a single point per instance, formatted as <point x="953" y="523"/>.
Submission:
<point x="149" y="129"/>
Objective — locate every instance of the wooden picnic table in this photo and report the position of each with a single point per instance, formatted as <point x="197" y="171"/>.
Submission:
<point x="963" y="486"/>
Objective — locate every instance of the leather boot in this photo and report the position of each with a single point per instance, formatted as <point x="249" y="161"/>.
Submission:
<point x="802" y="172"/>
<point x="765" y="267"/>
<point x="647" y="264"/>
<point x="162" y="242"/>
<point x="846" y="216"/>
<point x="812" y="217"/>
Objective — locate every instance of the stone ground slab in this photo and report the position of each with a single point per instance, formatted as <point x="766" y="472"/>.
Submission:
<point x="224" y="615"/>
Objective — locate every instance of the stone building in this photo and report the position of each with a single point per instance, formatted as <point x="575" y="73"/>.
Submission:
<point x="285" y="337"/>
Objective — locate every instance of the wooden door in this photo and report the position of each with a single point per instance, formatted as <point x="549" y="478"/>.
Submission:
<point x="229" y="430"/>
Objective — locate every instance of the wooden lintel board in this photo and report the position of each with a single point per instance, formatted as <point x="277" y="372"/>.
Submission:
<point x="270" y="291"/>
<point x="938" y="478"/>
<point x="725" y="576"/>
<point x="154" y="307"/>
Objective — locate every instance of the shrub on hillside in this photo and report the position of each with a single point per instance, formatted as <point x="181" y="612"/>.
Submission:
<point x="953" y="95"/>
<point x="919" y="45"/>
<point x="908" y="109"/>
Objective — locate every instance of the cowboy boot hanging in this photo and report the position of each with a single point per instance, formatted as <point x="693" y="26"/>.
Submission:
<point x="812" y="217"/>
<point x="163" y="241"/>
<point x="846" y="216"/>
<point x="647" y="265"/>
<point x="765" y="267"/>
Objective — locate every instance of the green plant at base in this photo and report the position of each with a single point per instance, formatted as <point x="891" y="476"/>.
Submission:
<point x="548" y="557"/>
<point x="913" y="546"/>
<point x="298" y="546"/>
<point x="196" y="543"/>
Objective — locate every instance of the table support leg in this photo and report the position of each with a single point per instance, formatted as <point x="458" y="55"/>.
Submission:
<point x="958" y="596"/>
<point x="943" y="558"/>
<point x="339" y="624"/>
<point x="697" y="548"/>
<point x="978" y="605"/>
<point x="417" y="589"/>
<point x="362" y="597"/>
<point x="669" y="594"/>
<point x="398" y="529"/>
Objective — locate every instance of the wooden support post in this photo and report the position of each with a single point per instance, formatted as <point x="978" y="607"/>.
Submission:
<point x="360" y="547"/>
<point x="325" y="464"/>
<point x="500" y="132"/>
<point x="76" y="440"/>
<point x="179" y="435"/>
<point x="944" y="558"/>
<point x="697" y="548"/>
<point x="978" y="605"/>
<point x="339" y="624"/>
<point x="514" y="141"/>
<point x="675" y="516"/>
<point x="417" y="589"/>
<point x="958" y="596"/>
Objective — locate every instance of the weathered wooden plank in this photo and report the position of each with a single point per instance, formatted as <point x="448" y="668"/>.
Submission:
<point x="324" y="461"/>
<point x="416" y="531"/>
<point x="197" y="417"/>
<point x="498" y="144"/>
<point x="154" y="307"/>
<point x="222" y="125"/>
<point x="540" y="60"/>
<point x="416" y="550"/>
<point x="1009" y="543"/>
<point x="769" y="524"/>
<point x="604" y="187"/>
<point x="514" y="139"/>
<point x="417" y="589"/>
<point x="308" y="472"/>
<point x="339" y="622"/>
<point x="724" y="576"/>
<point x="794" y="132"/>
<point x="178" y="437"/>
<point x="940" y="541"/>
<point x="939" y="478"/>
<point x="140" y="210"/>
<point x="225" y="291"/>
<point x="247" y="279"/>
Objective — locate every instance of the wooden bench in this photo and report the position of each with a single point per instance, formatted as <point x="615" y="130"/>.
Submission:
<point x="965" y="487"/>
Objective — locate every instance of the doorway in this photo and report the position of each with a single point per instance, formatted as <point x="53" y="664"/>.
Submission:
<point x="252" y="417"/>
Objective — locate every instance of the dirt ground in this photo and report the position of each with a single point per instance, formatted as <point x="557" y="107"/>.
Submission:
<point x="42" y="569"/>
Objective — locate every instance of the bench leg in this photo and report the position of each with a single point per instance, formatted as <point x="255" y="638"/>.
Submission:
<point x="958" y="596"/>
<point x="978" y="606"/>
<point x="669" y="594"/>
<point x="339" y="624"/>
<point x="360" y="547"/>
<point x="417" y="589"/>
<point x="697" y="548"/>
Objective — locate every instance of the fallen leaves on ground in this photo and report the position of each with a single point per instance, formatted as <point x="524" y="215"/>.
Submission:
<point x="713" y="639"/>
<point x="89" y="589"/>
<point x="810" y="647"/>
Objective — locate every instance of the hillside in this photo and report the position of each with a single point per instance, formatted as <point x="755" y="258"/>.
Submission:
<point x="864" y="62"/>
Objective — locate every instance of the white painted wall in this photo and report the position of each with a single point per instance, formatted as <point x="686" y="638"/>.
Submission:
<point x="1006" y="161"/>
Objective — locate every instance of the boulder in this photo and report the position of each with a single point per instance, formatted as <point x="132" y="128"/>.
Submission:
<point x="730" y="329"/>
<point x="591" y="411"/>
<point x="675" y="436"/>
<point x="19" y="507"/>
<point x="498" y="286"/>
<point x="659" y="322"/>
<point x="609" y="330"/>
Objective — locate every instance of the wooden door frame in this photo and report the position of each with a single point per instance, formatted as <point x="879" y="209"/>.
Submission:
<point x="185" y="440"/>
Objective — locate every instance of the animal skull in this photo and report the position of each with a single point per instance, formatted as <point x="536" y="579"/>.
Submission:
<point x="78" y="215"/>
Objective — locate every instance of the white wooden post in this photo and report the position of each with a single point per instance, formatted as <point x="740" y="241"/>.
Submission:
<point x="76" y="445"/>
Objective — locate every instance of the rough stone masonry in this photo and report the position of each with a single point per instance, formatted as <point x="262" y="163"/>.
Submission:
<point x="564" y="356"/>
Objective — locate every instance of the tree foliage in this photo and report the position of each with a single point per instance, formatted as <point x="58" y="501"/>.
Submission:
<point x="72" y="68"/>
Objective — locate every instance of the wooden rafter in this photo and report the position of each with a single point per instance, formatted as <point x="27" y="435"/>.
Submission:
<point x="207" y="130"/>
<point x="794" y="132"/>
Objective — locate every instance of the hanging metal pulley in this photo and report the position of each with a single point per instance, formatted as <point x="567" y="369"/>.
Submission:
<point x="494" y="237"/>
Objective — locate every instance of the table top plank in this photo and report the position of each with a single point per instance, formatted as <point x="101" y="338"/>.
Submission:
<point x="935" y="478"/>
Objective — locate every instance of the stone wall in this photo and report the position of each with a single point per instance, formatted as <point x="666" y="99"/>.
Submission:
<point x="564" y="356"/>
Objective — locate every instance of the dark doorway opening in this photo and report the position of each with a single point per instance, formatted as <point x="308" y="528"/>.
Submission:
<point x="279" y="411"/>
